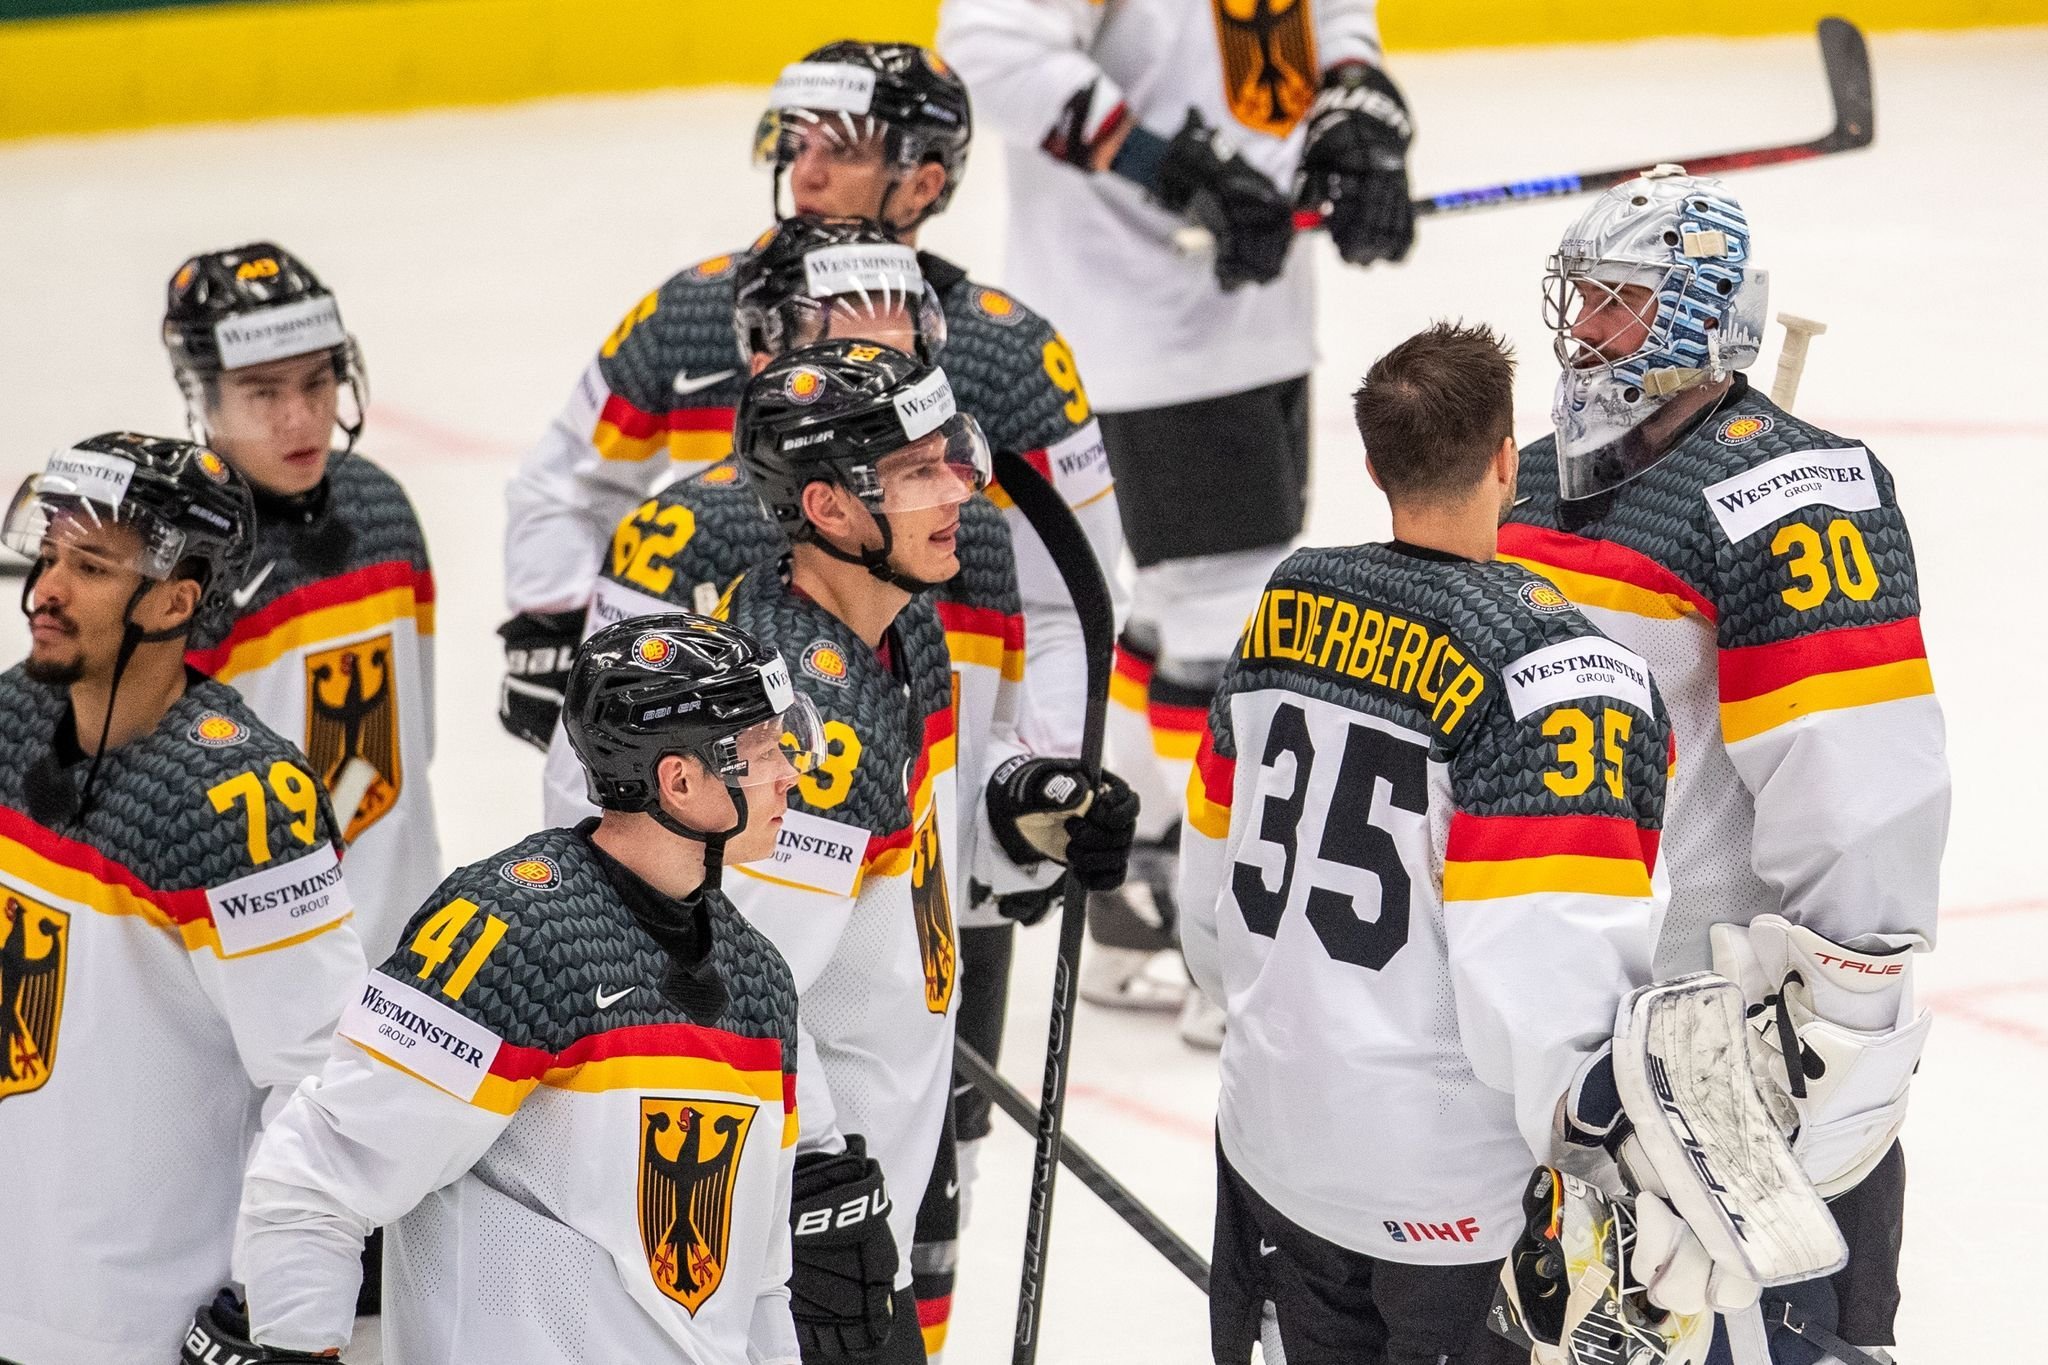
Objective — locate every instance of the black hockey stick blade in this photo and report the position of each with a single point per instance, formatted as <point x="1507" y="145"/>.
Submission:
<point x="1087" y="1170"/>
<point x="1074" y="557"/>
<point x="1845" y="58"/>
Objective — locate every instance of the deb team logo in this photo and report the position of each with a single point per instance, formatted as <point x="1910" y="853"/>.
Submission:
<point x="216" y="731"/>
<point x="655" y="651"/>
<point x="718" y="267"/>
<point x="719" y="474"/>
<point x="1543" y="599"/>
<point x="824" y="661"/>
<point x="1744" y="429"/>
<point x="212" y="466"/>
<point x="803" y="386"/>
<point x="535" y="872"/>
<point x="996" y="306"/>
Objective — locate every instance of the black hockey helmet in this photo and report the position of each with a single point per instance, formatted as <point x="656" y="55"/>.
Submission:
<point x="808" y="265"/>
<point x="248" y="305"/>
<point x="650" y="687"/>
<point x="876" y="422"/>
<point x="848" y="89"/>
<point x="191" y="511"/>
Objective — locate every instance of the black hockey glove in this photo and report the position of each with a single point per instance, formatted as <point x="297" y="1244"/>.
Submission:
<point x="1209" y="182"/>
<point x="219" y="1335"/>
<point x="1027" y="907"/>
<point x="1044" y="808"/>
<point x="842" y="1280"/>
<point x="1354" y="164"/>
<point x="539" y="647"/>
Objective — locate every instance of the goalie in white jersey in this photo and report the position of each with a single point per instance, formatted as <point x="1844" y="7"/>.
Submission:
<point x="1426" y="816"/>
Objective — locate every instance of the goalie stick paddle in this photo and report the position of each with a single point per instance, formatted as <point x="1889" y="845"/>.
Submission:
<point x="1844" y="56"/>
<point x="1074" y="557"/>
<point x="1088" y="1170"/>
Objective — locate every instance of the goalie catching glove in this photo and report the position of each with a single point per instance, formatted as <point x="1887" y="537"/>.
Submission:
<point x="1354" y="164"/>
<point x="219" y="1335"/>
<point x="1043" y="808"/>
<point x="539" y="647"/>
<point x="842" y="1280"/>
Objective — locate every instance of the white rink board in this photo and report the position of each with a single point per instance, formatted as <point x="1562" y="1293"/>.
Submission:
<point x="481" y="256"/>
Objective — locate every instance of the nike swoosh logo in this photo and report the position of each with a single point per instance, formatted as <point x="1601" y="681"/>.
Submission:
<point x="1524" y="498"/>
<point x="952" y="1188"/>
<point x="605" y="1002"/>
<point x="689" y="383"/>
<point x="242" y="596"/>
<point x="1266" y="1248"/>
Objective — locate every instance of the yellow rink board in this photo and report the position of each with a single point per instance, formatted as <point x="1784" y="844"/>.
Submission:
<point x="288" y="58"/>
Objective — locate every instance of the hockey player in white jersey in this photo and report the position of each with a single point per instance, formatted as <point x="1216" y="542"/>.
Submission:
<point x="175" y="932"/>
<point x="1125" y="120"/>
<point x="572" y="1093"/>
<point x="1763" y="566"/>
<point x="1420" y="875"/>
<point x="859" y="454"/>
<point x="331" y="639"/>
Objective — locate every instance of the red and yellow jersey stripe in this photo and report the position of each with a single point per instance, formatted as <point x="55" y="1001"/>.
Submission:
<point x="984" y="637"/>
<point x="630" y="434"/>
<point x="889" y="855"/>
<point x="1766" y="686"/>
<point x="646" y="1057"/>
<point x="1490" y="857"/>
<point x="1209" y="788"/>
<point x="1600" y="573"/>
<point x="347" y="604"/>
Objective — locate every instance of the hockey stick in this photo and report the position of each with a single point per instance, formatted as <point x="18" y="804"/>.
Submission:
<point x="1053" y="520"/>
<point x="1088" y="1170"/>
<point x="1844" y="56"/>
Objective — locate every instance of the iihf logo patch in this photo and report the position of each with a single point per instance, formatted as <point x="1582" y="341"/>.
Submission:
<point x="1543" y="599"/>
<point x="1394" y="1231"/>
<point x="1744" y="429"/>
<point x="215" y="731"/>
<point x="535" y="872"/>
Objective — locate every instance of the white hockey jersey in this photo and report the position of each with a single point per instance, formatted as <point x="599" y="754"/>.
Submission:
<point x="575" y="1168"/>
<point x="1151" y="326"/>
<point x="860" y="894"/>
<point x="334" y="647"/>
<point x="171" y="965"/>
<point x="1765" y="571"/>
<point x="1417" y="872"/>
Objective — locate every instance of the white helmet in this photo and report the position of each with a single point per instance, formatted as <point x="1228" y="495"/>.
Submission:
<point x="1686" y="240"/>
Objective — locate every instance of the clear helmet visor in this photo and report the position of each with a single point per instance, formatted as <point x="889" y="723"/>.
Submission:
<point x="843" y="136"/>
<point x="892" y="312"/>
<point x="79" y="512"/>
<point x="947" y="465"/>
<point x="780" y="749"/>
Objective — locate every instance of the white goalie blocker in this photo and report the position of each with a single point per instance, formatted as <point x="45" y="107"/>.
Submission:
<point x="1834" y="1033"/>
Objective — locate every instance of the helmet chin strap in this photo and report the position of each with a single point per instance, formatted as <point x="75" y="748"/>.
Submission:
<point x="714" y="841"/>
<point x="876" y="559"/>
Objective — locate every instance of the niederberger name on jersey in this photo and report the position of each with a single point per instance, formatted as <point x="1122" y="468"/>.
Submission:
<point x="1354" y="642"/>
<point x="1590" y="666"/>
<point x="1757" y="497"/>
<point x="280" y="902"/>
<point x="422" y="1035"/>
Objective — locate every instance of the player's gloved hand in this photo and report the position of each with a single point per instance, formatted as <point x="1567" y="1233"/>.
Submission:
<point x="1206" y="179"/>
<point x="1354" y="164"/>
<point x="219" y="1335"/>
<point x="1087" y="125"/>
<point x="1046" y="808"/>
<point x="1027" y="907"/>
<point x="539" y="647"/>
<point x="842" y="1281"/>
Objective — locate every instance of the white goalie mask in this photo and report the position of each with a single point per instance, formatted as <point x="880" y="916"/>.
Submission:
<point x="1684" y="240"/>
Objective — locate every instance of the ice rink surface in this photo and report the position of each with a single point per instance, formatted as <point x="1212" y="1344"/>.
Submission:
<point x="480" y="257"/>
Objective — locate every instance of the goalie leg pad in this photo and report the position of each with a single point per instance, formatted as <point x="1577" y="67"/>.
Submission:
<point x="1849" y="1012"/>
<point x="1682" y="1065"/>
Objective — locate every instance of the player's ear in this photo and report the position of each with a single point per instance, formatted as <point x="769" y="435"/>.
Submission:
<point x="760" y="362"/>
<point x="171" y="604"/>
<point x="1507" y="460"/>
<point x="1374" y="475"/>
<point x="825" y="507"/>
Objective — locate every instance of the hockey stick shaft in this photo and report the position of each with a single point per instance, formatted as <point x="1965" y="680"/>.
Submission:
<point x="1088" y="1170"/>
<point x="1049" y="516"/>
<point x="1844" y="56"/>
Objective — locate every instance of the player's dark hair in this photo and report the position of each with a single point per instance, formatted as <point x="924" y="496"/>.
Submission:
<point x="1433" y="410"/>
